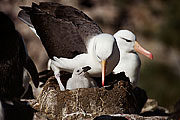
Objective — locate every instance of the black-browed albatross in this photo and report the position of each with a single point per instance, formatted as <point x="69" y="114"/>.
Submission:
<point x="13" y="60"/>
<point x="73" y="37"/>
<point x="130" y="62"/>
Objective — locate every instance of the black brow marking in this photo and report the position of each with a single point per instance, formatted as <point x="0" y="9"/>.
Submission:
<point x="126" y="39"/>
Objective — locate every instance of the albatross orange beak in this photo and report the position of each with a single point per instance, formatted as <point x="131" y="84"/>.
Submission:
<point x="103" y="66"/>
<point x="138" y="48"/>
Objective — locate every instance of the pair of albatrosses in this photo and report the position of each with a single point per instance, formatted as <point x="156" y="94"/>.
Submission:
<point x="73" y="40"/>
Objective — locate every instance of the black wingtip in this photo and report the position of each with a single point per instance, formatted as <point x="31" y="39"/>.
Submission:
<point x="23" y="16"/>
<point x="35" y="5"/>
<point x="28" y="10"/>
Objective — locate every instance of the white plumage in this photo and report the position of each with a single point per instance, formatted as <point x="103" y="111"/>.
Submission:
<point x="102" y="57"/>
<point x="129" y="62"/>
<point x="80" y="79"/>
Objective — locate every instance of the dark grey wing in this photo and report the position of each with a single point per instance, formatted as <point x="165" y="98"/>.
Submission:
<point x="59" y="37"/>
<point x="62" y="28"/>
<point x="85" y="26"/>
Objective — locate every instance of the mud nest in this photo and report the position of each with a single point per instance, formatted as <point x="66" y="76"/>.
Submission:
<point x="87" y="103"/>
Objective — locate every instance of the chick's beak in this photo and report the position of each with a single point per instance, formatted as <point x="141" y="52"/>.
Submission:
<point x="141" y="50"/>
<point x="103" y="66"/>
<point x="85" y="69"/>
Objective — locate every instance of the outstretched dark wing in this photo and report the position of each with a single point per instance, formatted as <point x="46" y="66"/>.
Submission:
<point x="64" y="30"/>
<point x="85" y="26"/>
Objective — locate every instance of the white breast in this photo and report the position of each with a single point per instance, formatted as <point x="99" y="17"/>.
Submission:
<point x="129" y="63"/>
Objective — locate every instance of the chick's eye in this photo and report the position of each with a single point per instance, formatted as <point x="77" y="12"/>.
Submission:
<point x="77" y="70"/>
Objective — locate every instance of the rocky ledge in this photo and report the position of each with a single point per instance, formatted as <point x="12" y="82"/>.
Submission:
<point x="117" y="101"/>
<point x="88" y="103"/>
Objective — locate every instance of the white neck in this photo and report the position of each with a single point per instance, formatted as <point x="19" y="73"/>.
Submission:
<point x="129" y="63"/>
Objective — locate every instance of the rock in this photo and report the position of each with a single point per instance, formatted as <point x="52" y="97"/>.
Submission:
<point x="151" y="108"/>
<point x="85" y="103"/>
<point x="150" y="105"/>
<point x="129" y="117"/>
<point x="108" y="117"/>
<point x="140" y="97"/>
<point x="176" y="114"/>
<point x="116" y="102"/>
<point x="39" y="116"/>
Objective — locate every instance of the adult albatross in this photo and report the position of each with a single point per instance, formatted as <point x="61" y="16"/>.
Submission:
<point x="72" y="39"/>
<point x="129" y="62"/>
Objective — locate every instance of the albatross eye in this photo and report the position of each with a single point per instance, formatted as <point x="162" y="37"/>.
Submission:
<point x="77" y="70"/>
<point x="99" y="59"/>
<point x="126" y="40"/>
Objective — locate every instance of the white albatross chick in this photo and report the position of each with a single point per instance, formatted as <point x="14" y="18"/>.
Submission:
<point x="80" y="79"/>
<point x="129" y="62"/>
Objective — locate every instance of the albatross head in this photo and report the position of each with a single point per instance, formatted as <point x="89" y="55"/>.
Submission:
<point x="127" y="42"/>
<point x="107" y="53"/>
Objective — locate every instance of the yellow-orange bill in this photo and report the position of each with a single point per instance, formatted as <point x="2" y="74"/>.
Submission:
<point x="103" y="66"/>
<point x="138" y="48"/>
